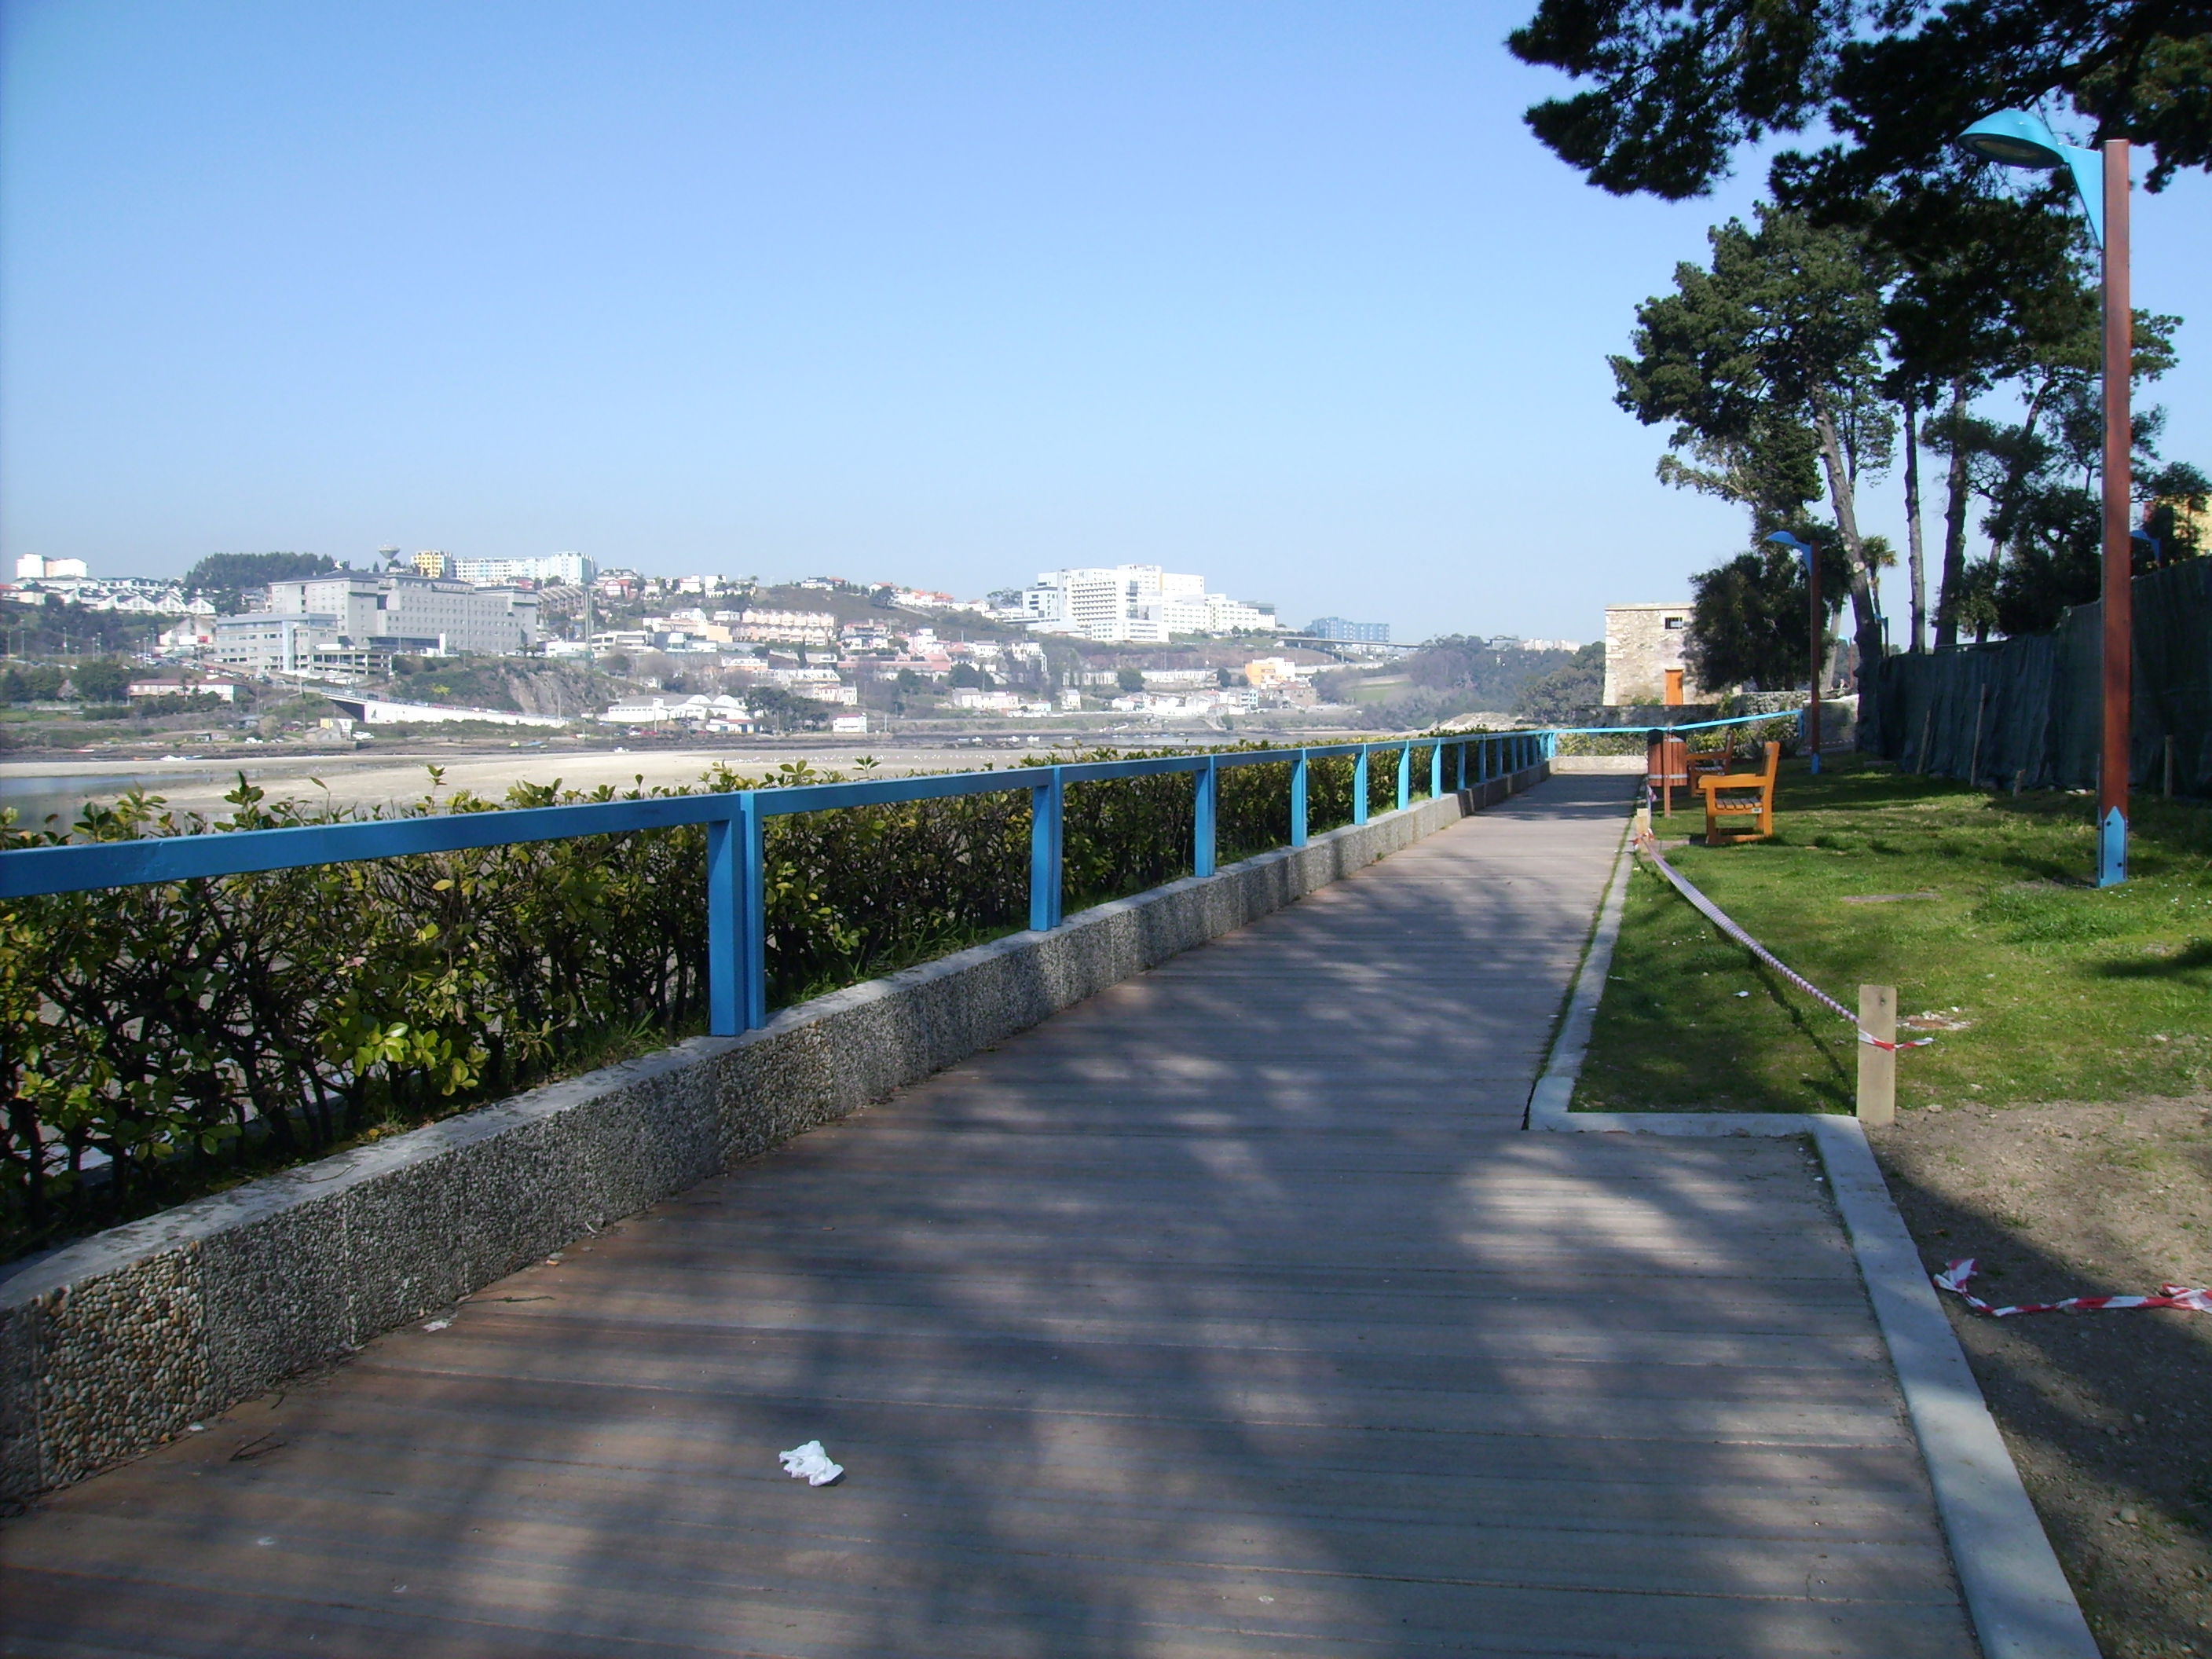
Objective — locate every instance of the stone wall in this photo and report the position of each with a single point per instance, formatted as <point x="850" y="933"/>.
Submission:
<point x="112" y="1345"/>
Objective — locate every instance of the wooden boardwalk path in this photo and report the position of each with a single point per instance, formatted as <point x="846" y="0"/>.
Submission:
<point x="1230" y="1312"/>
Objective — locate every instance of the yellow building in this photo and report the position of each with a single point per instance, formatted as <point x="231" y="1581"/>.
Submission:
<point x="1271" y="673"/>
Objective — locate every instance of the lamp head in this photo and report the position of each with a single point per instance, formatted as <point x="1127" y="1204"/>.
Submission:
<point x="1783" y="538"/>
<point x="2015" y="137"/>
<point x="2018" y="138"/>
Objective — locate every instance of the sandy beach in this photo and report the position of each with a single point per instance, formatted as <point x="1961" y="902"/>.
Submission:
<point x="362" y="779"/>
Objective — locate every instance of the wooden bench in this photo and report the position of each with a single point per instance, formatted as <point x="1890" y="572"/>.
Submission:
<point x="1705" y="763"/>
<point x="1740" y="795"/>
<point x="1670" y="764"/>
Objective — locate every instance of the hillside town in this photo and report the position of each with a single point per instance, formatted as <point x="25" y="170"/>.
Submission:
<point x="398" y="644"/>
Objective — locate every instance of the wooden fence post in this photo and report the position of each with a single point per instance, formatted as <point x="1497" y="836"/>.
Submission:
<point x="1877" y="1102"/>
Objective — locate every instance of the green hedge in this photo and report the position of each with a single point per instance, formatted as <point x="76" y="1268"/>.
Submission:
<point x="162" y="1041"/>
<point x="1631" y="740"/>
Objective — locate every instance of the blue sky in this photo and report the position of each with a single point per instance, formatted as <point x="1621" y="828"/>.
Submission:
<point x="945" y="293"/>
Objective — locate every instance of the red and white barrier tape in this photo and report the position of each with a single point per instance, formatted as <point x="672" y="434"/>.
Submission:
<point x="1648" y="846"/>
<point x="2194" y="1298"/>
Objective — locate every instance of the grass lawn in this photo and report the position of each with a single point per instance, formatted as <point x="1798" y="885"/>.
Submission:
<point x="2064" y="991"/>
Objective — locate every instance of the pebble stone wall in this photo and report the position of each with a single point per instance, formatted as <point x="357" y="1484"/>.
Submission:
<point x="115" y="1343"/>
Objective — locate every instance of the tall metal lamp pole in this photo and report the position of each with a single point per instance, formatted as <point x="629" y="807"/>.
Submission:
<point x="2017" y="138"/>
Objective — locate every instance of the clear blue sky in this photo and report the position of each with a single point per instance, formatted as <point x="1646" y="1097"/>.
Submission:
<point x="947" y="293"/>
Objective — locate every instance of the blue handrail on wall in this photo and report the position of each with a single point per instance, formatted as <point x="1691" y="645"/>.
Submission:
<point x="736" y="822"/>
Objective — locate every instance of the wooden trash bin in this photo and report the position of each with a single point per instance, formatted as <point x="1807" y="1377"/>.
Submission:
<point x="1665" y="765"/>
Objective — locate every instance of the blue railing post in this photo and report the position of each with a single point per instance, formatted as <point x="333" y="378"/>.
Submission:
<point x="1405" y="776"/>
<point x="1299" y="800"/>
<point x="1462" y="768"/>
<point x="725" y="927"/>
<point x="752" y="895"/>
<point x="1046" y="800"/>
<point x="1359" y="786"/>
<point x="1435" y="771"/>
<point x="1204" y="816"/>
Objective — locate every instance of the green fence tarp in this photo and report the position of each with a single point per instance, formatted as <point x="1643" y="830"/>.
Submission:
<point x="2027" y="710"/>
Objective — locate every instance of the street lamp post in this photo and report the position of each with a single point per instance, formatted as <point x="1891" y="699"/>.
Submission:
<point x="1783" y="538"/>
<point x="2016" y="138"/>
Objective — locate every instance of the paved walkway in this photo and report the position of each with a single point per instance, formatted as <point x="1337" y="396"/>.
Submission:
<point x="1230" y="1312"/>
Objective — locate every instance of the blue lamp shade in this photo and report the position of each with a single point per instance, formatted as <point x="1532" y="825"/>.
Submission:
<point x="2015" y="137"/>
<point x="2018" y="138"/>
<point x="1783" y="539"/>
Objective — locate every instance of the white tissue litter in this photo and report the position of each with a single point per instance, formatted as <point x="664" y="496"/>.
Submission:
<point x="811" y="1463"/>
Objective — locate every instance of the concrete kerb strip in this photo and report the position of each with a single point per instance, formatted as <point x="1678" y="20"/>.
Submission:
<point x="2016" y="1593"/>
<point x="1548" y="1103"/>
<point x="115" y="1343"/>
<point x="2022" y="1605"/>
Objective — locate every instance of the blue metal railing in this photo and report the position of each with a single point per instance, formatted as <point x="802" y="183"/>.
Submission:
<point x="736" y="824"/>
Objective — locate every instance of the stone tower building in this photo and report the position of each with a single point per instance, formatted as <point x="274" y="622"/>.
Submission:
<point x="1643" y="660"/>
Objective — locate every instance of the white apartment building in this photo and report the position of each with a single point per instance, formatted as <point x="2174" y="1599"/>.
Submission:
<point x="823" y="684"/>
<point x="573" y="568"/>
<point x="1133" y="603"/>
<point x="443" y="617"/>
<point x="309" y="623"/>
<point x="781" y="627"/>
<point x="262" y="643"/>
<point x="1226" y="616"/>
<point x="144" y="596"/>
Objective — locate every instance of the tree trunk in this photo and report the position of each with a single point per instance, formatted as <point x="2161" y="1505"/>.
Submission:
<point x="1955" y="526"/>
<point x="1912" y="537"/>
<point x="1868" y="625"/>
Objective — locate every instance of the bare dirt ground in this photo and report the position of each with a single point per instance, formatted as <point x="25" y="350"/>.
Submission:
<point x="2109" y="1415"/>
